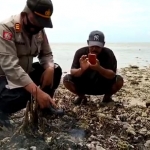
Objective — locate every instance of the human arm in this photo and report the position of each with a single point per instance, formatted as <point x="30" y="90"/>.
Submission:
<point x="79" y="64"/>
<point x="77" y="72"/>
<point x="107" y="73"/>
<point x="108" y="70"/>
<point x="14" y="73"/>
<point x="46" y="60"/>
<point x="75" y="67"/>
<point x="9" y="62"/>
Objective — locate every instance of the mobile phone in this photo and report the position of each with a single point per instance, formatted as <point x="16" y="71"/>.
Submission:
<point x="92" y="58"/>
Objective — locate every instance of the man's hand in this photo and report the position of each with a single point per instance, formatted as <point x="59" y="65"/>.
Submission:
<point x="84" y="64"/>
<point x="96" y="66"/>
<point x="43" y="99"/>
<point x="47" y="77"/>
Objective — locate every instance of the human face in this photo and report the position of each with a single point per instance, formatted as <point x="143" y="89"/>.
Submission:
<point x="95" y="49"/>
<point x="31" y="25"/>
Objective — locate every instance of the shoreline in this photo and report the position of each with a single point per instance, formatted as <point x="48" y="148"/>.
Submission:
<point x="136" y="84"/>
<point x="120" y="68"/>
<point x="134" y="76"/>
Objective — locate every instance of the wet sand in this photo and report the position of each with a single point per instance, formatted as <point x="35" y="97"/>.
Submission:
<point x="119" y="126"/>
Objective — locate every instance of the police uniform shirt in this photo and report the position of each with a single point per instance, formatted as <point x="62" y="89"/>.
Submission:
<point x="17" y="52"/>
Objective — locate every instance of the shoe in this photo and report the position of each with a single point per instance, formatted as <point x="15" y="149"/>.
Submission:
<point x="148" y="104"/>
<point x="111" y="102"/>
<point x="80" y="101"/>
<point x="53" y="111"/>
<point x="57" y="112"/>
<point x="108" y="100"/>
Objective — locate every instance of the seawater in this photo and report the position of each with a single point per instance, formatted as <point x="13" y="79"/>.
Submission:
<point x="126" y="53"/>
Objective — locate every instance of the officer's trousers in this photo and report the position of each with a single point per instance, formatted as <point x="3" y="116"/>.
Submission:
<point x="13" y="100"/>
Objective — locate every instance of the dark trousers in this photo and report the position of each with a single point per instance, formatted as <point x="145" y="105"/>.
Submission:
<point x="91" y="85"/>
<point x="13" y="100"/>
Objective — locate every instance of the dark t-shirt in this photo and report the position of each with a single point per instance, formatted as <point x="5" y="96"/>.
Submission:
<point x="106" y="58"/>
<point x="90" y="77"/>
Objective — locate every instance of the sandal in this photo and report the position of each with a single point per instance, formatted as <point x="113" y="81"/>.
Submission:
<point x="107" y="100"/>
<point x="80" y="101"/>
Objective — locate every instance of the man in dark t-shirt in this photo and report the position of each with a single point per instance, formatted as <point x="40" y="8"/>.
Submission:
<point x="97" y="79"/>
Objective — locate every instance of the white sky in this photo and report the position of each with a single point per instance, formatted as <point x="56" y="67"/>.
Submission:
<point x="73" y="20"/>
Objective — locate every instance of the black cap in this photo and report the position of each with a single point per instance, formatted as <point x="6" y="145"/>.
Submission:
<point x="96" y="38"/>
<point x="42" y="9"/>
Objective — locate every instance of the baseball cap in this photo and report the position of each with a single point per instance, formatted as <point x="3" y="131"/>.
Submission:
<point x="42" y="9"/>
<point x="96" y="38"/>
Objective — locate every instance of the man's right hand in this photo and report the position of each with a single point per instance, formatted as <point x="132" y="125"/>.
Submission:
<point x="84" y="62"/>
<point x="44" y="100"/>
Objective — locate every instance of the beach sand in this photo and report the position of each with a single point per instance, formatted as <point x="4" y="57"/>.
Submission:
<point x="121" y="126"/>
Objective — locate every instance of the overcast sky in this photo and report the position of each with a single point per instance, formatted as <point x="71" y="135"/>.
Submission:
<point x="120" y="20"/>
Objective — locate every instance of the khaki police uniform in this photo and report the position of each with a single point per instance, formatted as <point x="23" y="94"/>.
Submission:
<point x="17" y="52"/>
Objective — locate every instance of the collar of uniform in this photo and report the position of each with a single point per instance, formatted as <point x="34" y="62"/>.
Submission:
<point x="17" y="23"/>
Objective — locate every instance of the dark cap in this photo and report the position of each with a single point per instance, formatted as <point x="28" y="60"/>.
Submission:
<point x="42" y="9"/>
<point x="96" y="38"/>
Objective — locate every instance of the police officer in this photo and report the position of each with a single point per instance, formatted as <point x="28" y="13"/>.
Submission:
<point x="22" y="37"/>
<point x="94" y="75"/>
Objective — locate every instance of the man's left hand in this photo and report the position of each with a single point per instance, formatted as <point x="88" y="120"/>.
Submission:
<point x="47" y="77"/>
<point x="96" y="66"/>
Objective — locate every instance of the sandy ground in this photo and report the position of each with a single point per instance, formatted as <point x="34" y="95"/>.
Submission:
<point x="120" y="126"/>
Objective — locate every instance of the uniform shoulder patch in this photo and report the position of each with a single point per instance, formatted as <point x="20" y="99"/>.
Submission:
<point x="7" y="35"/>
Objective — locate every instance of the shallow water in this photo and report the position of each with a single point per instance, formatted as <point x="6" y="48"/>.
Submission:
<point x="126" y="53"/>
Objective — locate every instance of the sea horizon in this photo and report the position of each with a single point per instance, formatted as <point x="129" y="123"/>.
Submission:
<point x="105" y="42"/>
<point x="127" y="53"/>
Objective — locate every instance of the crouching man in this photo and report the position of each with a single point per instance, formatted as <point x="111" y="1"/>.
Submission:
<point x="94" y="78"/>
<point x="23" y="37"/>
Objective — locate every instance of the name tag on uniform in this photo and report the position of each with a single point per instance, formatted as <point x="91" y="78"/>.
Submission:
<point x="19" y="43"/>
